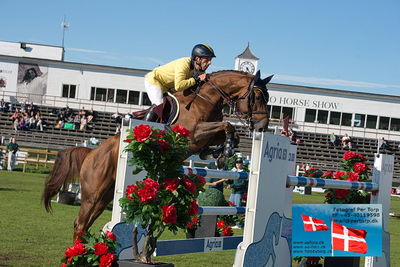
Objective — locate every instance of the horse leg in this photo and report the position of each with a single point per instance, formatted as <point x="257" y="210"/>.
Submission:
<point x="212" y="133"/>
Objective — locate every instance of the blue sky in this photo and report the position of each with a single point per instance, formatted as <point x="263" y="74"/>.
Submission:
<point x="349" y="45"/>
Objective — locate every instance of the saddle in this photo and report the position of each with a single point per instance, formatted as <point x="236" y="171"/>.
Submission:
<point x="167" y="112"/>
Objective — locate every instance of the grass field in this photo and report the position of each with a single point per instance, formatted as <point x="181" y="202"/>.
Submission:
<point x="32" y="237"/>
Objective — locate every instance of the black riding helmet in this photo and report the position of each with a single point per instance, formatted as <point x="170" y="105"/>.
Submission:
<point x="202" y="50"/>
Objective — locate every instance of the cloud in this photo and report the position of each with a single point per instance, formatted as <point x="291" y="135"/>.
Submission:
<point x="86" y="50"/>
<point x="330" y="82"/>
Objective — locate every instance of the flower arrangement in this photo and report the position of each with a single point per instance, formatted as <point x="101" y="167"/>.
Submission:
<point x="354" y="169"/>
<point x="89" y="250"/>
<point x="223" y="229"/>
<point x="166" y="198"/>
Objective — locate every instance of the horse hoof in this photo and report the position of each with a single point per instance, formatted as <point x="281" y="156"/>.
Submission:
<point x="229" y="152"/>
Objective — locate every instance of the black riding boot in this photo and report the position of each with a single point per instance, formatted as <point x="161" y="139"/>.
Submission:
<point x="151" y="115"/>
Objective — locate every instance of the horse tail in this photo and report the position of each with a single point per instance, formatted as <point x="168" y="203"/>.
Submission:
<point x="66" y="168"/>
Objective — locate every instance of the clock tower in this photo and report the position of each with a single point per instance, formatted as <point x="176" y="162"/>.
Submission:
<point x="247" y="61"/>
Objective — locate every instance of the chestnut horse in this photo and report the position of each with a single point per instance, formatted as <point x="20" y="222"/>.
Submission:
<point x="200" y="113"/>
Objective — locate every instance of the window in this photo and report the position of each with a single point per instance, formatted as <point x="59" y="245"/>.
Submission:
<point x="276" y="112"/>
<point x="69" y="90"/>
<point x="371" y="121"/>
<point x="110" y="95"/>
<point x="359" y="120"/>
<point x="334" y="118"/>
<point x="323" y="116"/>
<point x="287" y="111"/>
<point x="395" y="124"/>
<point x="101" y="94"/>
<point x="133" y="97"/>
<point x="384" y="123"/>
<point x="346" y="119"/>
<point x="121" y="96"/>
<point x="146" y="100"/>
<point x="310" y="115"/>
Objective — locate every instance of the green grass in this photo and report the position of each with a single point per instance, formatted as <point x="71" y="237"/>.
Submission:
<point x="31" y="237"/>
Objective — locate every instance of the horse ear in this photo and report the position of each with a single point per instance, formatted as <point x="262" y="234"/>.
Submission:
<point x="257" y="76"/>
<point x="268" y="79"/>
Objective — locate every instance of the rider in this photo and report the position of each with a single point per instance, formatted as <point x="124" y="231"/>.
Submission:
<point x="178" y="75"/>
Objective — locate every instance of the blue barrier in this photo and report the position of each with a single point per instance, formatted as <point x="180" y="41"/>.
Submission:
<point x="330" y="183"/>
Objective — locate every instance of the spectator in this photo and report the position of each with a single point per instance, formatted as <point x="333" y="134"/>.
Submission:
<point x="39" y="122"/>
<point x="24" y="107"/>
<point x="346" y="141"/>
<point x="82" y="112"/>
<point x="384" y="145"/>
<point x="333" y="140"/>
<point x="16" y="124"/>
<point x="77" y="121"/>
<point x="83" y="123"/>
<point x="12" y="149"/>
<point x="214" y="182"/>
<point x="239" y="186"/>
<point x="3" y="105"/>
<point x="91" y="115"/>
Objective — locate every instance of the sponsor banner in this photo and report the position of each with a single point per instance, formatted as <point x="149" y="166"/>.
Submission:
<point x="337" y="230"/>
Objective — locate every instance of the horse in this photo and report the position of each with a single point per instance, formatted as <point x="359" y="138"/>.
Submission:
<point x="200" y="112"/>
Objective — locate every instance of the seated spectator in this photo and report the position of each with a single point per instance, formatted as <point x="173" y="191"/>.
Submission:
<point x="91" y="115"/>
<point x="3" y="105"/>
<point x="82" y="112"/>
<point x="384" y="144"/>
<point x="24" y="107"/>
<point x="77" y="121"/>
<point x="346" y="141"/>
<point x="39" y="122"/>
<point x="16" y="115"/>
<point x="16" y="124"/>
<point x="22" y="125"/>
<point x="83" y="123"/>
<point x="333" y="140"/>
<point x="66" y="112"/>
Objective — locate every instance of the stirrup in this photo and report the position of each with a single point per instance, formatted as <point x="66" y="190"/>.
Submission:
<point x="151" y="115"/>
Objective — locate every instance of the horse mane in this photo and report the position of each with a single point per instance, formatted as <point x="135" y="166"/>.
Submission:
<point x="221" y="72"/>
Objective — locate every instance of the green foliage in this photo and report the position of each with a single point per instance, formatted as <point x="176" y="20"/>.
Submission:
<point x="212" y="197"/>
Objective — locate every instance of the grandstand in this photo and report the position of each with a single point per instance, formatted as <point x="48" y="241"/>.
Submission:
<point x="314" y="149"/>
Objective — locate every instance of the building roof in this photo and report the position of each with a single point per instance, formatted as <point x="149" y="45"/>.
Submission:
<point x="248" y="54"/>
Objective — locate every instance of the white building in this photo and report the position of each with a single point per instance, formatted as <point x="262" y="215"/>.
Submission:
<point x="108" y="88"/>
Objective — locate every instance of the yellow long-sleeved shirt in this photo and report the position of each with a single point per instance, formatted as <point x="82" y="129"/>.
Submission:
<point x="175" y="75"/>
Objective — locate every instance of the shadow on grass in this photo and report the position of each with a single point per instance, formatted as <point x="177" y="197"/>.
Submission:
<point x="14" y="190"/>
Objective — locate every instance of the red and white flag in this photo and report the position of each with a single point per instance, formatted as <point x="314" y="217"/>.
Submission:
<point x="312" y="224"/>
<point x="348" y="239"/>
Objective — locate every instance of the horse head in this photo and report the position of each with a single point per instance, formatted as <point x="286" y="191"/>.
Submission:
<point x="247" y="94"/>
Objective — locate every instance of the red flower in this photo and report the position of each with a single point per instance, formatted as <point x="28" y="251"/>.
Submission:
<point x="77" y="241"/>
<point x="194" y="208"/>
<point x="339" y="175"/>
<point x="189" y="185"/>
<point x="161" y="133"/>
<point x="163" y="144"/>
<point x="231" y="203"/>
<point x="131" y="189"/>
<point x="227" y="231"/>
<point x="352" y="176"/>
<point x="360" y="167"/>
<point x="341" y="193"/>
<point x="169" y="214"/>
<point x="181" y="130"/>
<point x="63" y="265"/>
<point x="349" y="155"/>
<point x="149" y="192"/>
<point x="244" y="197"/>
<point x="80" y="233"/>
<point x="328" y="196"/>
<point x="361" y="157"/>
<point x="193" y="223"/>
<point x="111" y="235"/>
<point x="202" y="180"/>
<point x="142" y="132"/>
<point x="107" y="260"/>
<point x="220" y="224"/>
<point x="127" y="140"/>
<point x="78" y="249"/>
<point x="171" y="184"/>
<point x="100" y="249"/>
<point x="327" y="175"/>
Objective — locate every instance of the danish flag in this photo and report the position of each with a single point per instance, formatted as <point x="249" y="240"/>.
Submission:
<point x="348" y="239"/>
<point x="312" y="224"/>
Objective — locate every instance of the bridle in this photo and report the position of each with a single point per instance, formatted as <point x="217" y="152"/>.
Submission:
<point x="245" y="118"/>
